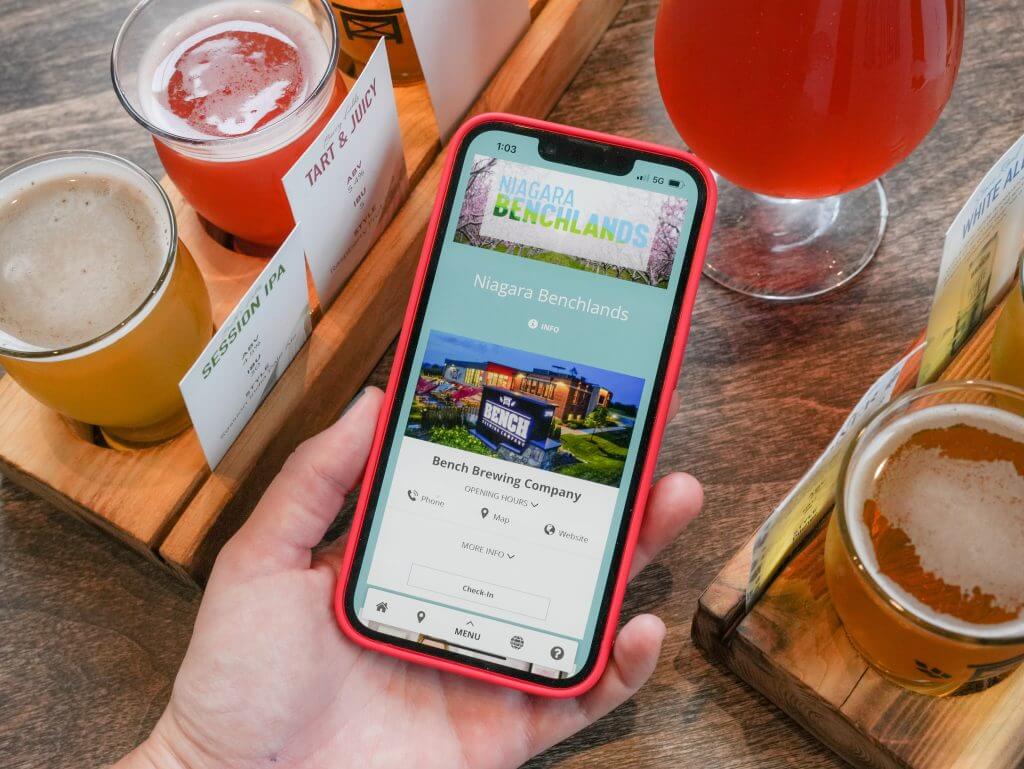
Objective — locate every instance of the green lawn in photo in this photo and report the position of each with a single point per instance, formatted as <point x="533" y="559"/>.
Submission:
<point x="602" y="457"/>
<point x="460" y="438"/>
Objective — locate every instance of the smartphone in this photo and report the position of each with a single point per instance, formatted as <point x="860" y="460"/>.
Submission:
<point x="530" y="389"/>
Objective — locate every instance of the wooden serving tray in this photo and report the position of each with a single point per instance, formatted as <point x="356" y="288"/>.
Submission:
<point x="164" y="501"/>
<point x="792" y="648"/>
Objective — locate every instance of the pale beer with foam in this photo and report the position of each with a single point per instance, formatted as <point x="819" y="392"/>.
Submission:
<point x="102" y="309"/>
<point x="923" y="552"/>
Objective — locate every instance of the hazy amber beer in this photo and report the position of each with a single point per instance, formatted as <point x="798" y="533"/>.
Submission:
<point x="361" y="23"/>
<point x="924" y="550"/>
<point x="102" y="309"/>
<point x="1008" y="342"/>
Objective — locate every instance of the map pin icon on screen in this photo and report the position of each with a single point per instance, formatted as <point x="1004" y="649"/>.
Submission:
<point x="420" y="615"/>
<point x="483" y="512"/>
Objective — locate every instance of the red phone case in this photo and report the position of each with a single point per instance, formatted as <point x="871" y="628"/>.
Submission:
<point x="646" y="471"/>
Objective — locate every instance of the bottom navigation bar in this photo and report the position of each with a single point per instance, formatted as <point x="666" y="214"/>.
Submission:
<point x="518" y="647"/>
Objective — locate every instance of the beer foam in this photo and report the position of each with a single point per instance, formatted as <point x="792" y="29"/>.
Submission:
<point x="185" y="38"/>
<point x="963" y="516"/>
<point x="81" y="248"/>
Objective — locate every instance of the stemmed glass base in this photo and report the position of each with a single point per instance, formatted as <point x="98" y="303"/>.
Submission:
<point x="784" y="249"/>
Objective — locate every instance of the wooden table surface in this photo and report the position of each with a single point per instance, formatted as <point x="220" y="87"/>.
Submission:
<point x="91" y="635"/>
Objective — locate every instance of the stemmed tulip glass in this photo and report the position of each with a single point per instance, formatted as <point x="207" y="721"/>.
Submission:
<point x="800" y="106"/>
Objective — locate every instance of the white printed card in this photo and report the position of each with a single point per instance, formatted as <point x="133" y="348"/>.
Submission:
<point x="250" y="350"/>
<point x="461" y="44"/>
<point x="346" y="187"/>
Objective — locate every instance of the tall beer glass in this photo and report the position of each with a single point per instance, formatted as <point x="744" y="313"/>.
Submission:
<point x="923" y="552"/>
<point x="102" y="309"/>
<point x="801" y="105"/>
<point x="361" y="23"/>
<point x="233" y="92"/>
<point x="1008" y="342"/>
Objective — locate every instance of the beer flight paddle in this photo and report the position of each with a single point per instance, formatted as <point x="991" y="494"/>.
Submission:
<point x="164" y="501"/>
<point x="792" y="647"/>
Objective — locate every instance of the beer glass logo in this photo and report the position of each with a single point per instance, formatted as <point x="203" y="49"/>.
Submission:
<point x="369" y="24"/>
<point x="931" y="672"/>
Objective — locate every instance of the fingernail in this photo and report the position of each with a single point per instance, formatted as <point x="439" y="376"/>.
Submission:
<point x="352" y="402"/>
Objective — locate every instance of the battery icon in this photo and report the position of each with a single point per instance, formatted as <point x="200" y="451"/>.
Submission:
<point x="673" y="182"/>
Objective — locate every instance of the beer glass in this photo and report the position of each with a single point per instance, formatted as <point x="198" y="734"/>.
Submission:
<point x="231" y="179"/>
<point x="801" y="106"/>
<point x="362" y="23"/>
<point x="125" y="378"/>
<point x="922" y="554"/>
<point x="1008" y="342"/>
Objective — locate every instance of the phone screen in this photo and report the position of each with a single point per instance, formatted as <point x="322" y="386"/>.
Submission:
<point x="499" y="508"/>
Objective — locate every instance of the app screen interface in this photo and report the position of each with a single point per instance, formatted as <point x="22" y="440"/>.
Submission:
<point x="519" y="427"/>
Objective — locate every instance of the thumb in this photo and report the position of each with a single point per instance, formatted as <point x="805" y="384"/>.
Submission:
<point x="305" y="497"/>
<point x="634" y="658"/>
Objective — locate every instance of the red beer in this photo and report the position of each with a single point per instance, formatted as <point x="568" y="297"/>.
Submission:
<point x="233" y="94"/>
<point x="806" y="98"/>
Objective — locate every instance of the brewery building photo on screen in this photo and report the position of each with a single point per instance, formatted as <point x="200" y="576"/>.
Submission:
<point x="526" y="408"/>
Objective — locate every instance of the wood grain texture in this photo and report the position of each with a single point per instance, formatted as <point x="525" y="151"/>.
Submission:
<point x="130" y="496"/>
<point x="92" y="634"/>
<point x="355" y="331"/>
<point x="169" y="491"/>
<point x="791" y="646"/>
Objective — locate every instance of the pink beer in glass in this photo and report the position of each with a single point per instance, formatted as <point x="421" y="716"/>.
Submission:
<point x="233" y="93"/>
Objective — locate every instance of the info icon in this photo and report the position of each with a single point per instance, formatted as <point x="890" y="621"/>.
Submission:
<point x="516" y="642"/>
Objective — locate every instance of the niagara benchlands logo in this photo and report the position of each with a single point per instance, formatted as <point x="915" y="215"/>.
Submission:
<point x="573" y="221"/>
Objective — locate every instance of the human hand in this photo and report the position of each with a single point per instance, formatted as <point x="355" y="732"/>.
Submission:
<point x="269" y="680"/>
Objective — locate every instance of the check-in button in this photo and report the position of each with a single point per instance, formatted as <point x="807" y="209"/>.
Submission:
<point x="479" y="592"/>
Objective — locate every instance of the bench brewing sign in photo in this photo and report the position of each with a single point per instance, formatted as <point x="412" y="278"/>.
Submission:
<point x="512" y="419"/>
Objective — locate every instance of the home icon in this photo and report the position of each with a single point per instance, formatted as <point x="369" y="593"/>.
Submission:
<point x="382" y="607"/>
